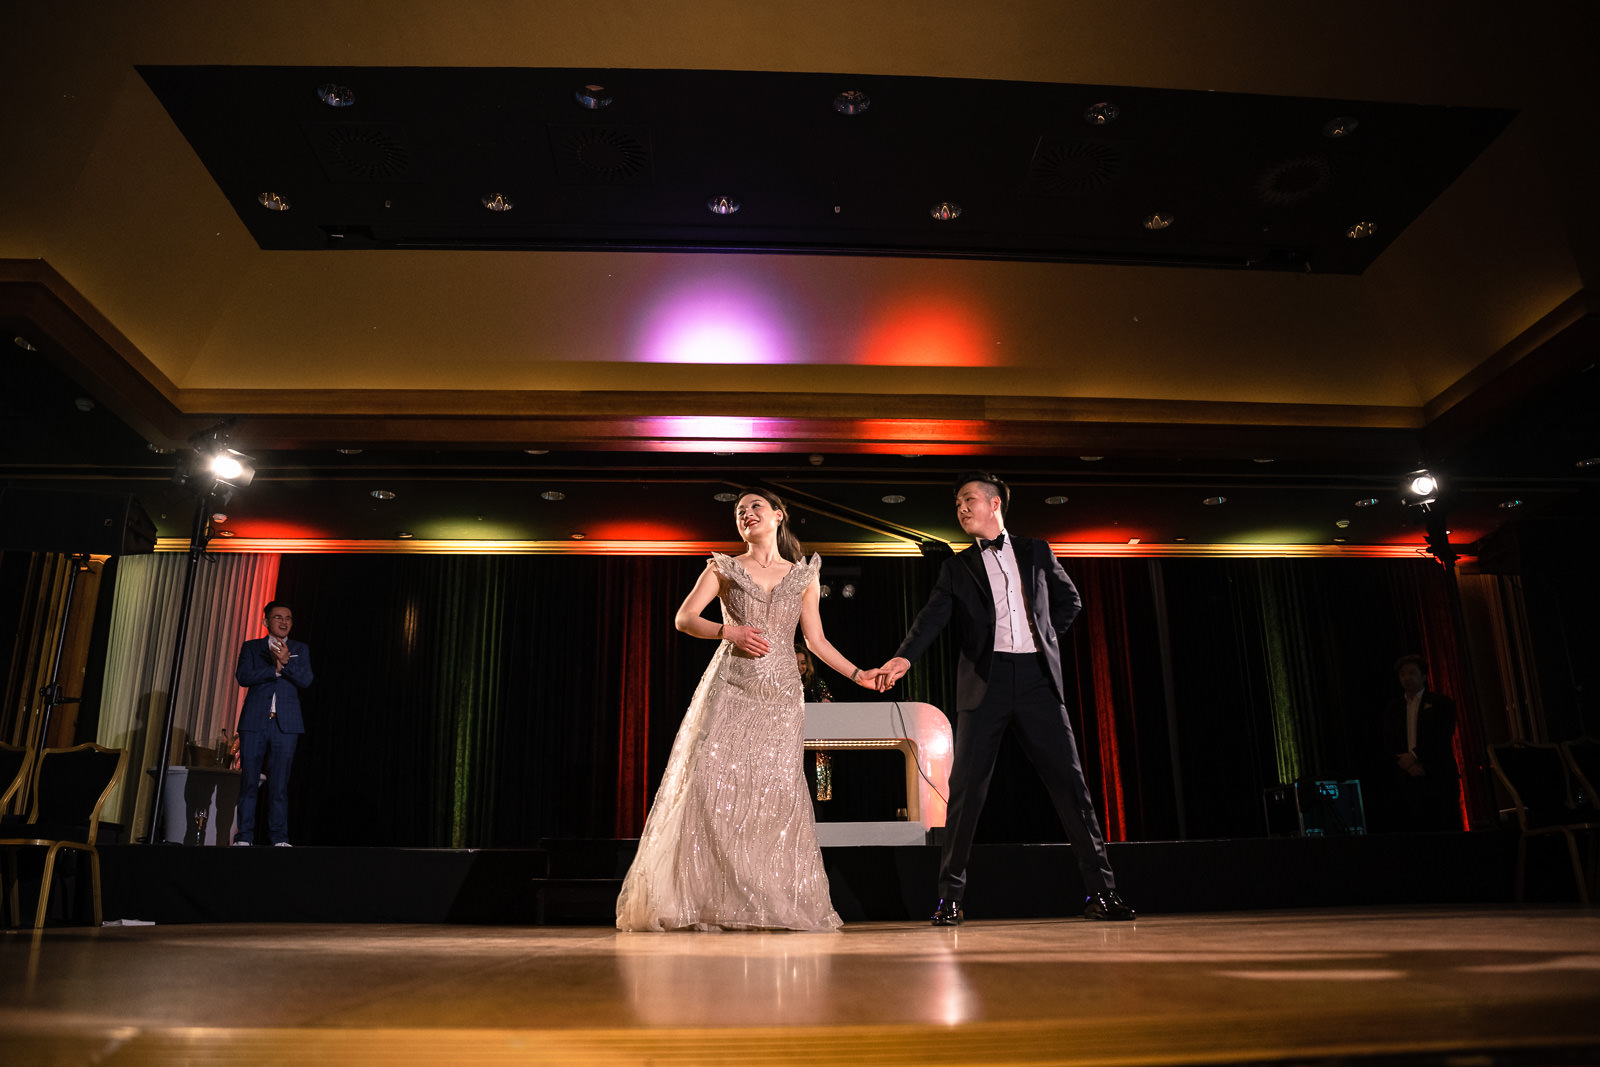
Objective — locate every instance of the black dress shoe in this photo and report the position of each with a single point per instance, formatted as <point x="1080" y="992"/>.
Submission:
<point x="1108" y="907"/>
<point x="948" y="913"/>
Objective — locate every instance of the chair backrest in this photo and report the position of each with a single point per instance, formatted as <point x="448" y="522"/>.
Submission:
<point x="73" y="785"/>
<point x="13" y="770"/>
<point x="1536" y="777"/>
<point x="1583" y="759"/>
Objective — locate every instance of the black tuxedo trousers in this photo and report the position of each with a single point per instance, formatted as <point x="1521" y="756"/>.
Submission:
<point x="1020" y="695"/>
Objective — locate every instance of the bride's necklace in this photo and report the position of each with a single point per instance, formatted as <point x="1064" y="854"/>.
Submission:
<point x="764" y="566"/>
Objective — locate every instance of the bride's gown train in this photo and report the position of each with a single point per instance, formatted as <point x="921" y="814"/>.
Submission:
<point x="730" y="842"/>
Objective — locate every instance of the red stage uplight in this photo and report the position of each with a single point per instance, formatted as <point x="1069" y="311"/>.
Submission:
<point x="275" y="529"/>
<point x="646" y="530"/>
<point x="929" y="333"/>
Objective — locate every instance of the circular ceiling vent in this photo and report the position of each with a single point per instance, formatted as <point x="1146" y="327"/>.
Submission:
<point x="607" y="154"/>
<point x="1075" y="166"/>
<point x="1293" y="180"/>
<point x="362" y="152"/>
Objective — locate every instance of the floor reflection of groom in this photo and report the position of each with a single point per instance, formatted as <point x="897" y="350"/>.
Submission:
<point x="1010" y="600"/>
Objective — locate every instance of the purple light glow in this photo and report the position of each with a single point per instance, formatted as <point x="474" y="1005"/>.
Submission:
<point x="716" y="319"/>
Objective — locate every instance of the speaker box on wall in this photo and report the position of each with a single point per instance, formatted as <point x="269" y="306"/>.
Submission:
<point x="61" y="520"/>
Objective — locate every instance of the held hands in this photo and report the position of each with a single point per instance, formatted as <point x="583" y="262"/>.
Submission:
<point x="890" y="673"/>
<point x="747" y="639"/>
<point x="870" y="679"/>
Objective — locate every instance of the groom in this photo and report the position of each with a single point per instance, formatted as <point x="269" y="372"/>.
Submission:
<point x="1010" y="600"/>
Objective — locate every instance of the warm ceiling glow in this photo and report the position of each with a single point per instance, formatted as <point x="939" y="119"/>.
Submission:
<point x="644" y="530"/>
<point x="716" y="318"/>
<point x="274" y="529"/>
<point x="929" y="333"/>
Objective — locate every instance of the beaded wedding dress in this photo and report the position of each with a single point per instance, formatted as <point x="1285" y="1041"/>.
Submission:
<point x="730" y="842"/>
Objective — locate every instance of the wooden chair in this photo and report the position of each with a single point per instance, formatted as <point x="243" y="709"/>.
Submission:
<point x="1535" y="778"/>
<point x="71" y="788"/>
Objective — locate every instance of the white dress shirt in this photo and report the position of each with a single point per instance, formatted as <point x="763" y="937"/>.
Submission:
<point x="1013" y="631"/>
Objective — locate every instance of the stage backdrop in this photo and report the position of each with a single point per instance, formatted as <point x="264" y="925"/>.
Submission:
<point x="489" y="701"/>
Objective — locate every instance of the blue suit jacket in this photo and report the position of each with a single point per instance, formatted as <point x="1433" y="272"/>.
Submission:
<point x="962" y="593"/>
<point x="258" y="672"/>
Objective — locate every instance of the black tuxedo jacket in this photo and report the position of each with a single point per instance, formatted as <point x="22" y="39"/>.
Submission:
<point x="1436" y="728"/>
<point x="962" y="594"/>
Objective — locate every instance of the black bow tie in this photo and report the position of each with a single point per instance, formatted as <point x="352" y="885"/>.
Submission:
<point x="997" y="544"/>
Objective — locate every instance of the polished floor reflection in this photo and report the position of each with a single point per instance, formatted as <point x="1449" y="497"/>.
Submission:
<point x="1267" y="986"/>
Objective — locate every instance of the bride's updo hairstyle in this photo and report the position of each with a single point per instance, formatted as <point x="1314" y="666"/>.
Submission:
<point x="788" y="544"/>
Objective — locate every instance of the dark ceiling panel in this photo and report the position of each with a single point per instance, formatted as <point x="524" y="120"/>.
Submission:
<point x="1248" y="181"/>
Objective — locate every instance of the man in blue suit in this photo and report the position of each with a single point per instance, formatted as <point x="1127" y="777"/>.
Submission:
<point x="1011" y="603"/>
<point x="274" y="669"/>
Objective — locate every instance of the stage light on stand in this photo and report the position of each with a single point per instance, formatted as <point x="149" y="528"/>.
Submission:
<point x="1420" y="489"/>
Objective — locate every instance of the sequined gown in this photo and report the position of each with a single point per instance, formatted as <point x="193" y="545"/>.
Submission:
<point x="730" y="842"/>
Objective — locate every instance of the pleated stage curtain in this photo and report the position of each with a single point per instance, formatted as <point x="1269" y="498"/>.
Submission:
<point x="230" y="591"/>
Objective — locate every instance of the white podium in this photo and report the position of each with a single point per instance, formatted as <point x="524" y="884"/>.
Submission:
<point x="921" y="732"/>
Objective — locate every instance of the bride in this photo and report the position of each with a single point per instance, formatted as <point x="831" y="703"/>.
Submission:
<point x="730" y="842"/>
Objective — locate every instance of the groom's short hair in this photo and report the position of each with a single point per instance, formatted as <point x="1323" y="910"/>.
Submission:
<point x="993" y="487"/>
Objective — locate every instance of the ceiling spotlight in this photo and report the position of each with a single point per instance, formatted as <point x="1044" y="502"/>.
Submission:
<point x="84" y="403"/>
<point x="1213" y="501"/>
<point x="816" y="459"/>
<point x="593" y="97"/>
<point x="1343" y="126"/>
<point x="231" y="467"/>
<point x="273" y="202"/>
<point x="497" y="202"/>
<point x="577" y="536"/>
<point x="537" y="451"/>
<point x="226" y="533"/>
<point x="349" y="451"/>
<point x="23" y="343"/>
<point x="218" y="517"/>
<point x="945" y="210"/>
<point x="1157" y="221"/>
<point x="1101" y="113"/>
<point x="894" y="498"/>
<point x="1343" y="524"/>
<point x="1263" y="460"/>
<point x="1055" y="500"/>
<point x="725" y="498"/>
<point x="1091" y="459"/>
<point x="1360" y="230"/>
<point x="1585" y="464"/>
<point x="826" y="590"/>
<point x="722" y="205"/>
<point x="1366" y="502"/>
<point x="1512" y="503"/>
<point x="336" y="95"/>
<point x="382" y="494"/>
<point x="1339" y="540"/>
<point x="851" y="102"/>
<point x="404" y="535"/>
<point x="553" y="494"/>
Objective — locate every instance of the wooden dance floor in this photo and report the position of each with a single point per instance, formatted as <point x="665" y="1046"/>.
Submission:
<point x="1481" y="986"/>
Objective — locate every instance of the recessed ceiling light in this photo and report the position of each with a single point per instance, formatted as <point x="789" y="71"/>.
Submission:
<point x="722" y="453"/>
<point x="1587" y="463"/>
<point x="1263" y="460"/>
<point x="894" y="498"/>
<point x="382" y="494"/>
<point x="1180" y="539"/>
<point x="911" y="455"/>
<point x="273" y="202"/>
<point x="1213" y="501"/>
<point x="1512" y="503"/>
<point x="219" y="517"/>
<point x="553" y="494"/>
<point x="1342" y="523"/>
<point x="497" y="202"/>
<point x="336" y="95"/>
<point x="722" y="205"/>
<point x="404" y="535"/>
<point x="1342" y="126"/>
<point x="945" y="210"/>
<point x="1366" y="502"/>
<point x="851" y="102"/>
<point x="83" y="403"/>
<point x="226" y="533"/>
<point x="725" y="498"/>
<point x="159" y="449"/>
<point x="1360" y="230"/>
<point x="1157" y="221"/>
<point x="537" y="451"/>
<point x="349" y="451"/>
<point x="593" y="97"/>
<point x="23" y="342"/>
<point x="1339" y="540"/>
<point x="1101" y="113"/>
<point x="577" y="536"/>
<point x="1055" y="500"/>
<point x="1091" y="459"/>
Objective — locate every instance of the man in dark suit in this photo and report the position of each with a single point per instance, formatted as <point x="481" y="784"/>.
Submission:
<point x="274" y="669"/>
<point x="1011" y="602"/>
<point x="1419" y="741"/>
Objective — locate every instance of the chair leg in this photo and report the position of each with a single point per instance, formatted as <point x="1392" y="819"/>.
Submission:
<point x="1577" y="867"/>
<point x="1522" y="862"/>
<point x="44" y="886"/>
<point x="8" y="871"/>
<point x="94" y="868"/>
